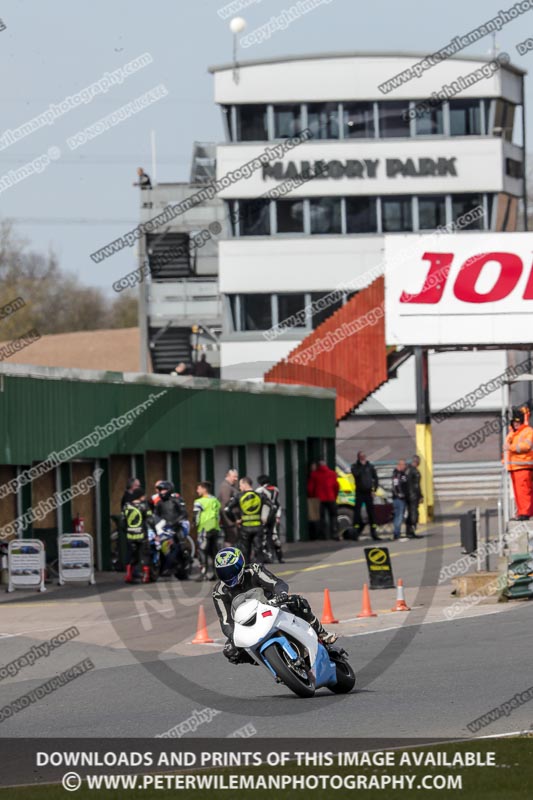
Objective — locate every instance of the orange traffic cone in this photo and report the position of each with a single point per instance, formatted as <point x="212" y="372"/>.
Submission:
<point x="327" y="613"/>
<point x="366" y="608"/>
<point x="202" y="636"/>
<point x="401" y="605"/>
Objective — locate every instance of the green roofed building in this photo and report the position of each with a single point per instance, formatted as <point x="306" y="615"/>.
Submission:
<point x="89" y="431"/>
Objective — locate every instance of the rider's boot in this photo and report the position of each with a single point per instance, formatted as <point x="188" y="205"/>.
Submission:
<point x="146" y="575"/>
<point x="325" y="636"/>
<point x="129" y="574"/>
<point x="279" y="554"/>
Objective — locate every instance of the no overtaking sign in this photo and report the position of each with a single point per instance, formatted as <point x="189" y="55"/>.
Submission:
<point x="379" y="568"/>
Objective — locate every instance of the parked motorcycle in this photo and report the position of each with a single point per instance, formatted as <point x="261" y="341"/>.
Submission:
<point x="288" y="647"/>
<point x="172" y="551"/>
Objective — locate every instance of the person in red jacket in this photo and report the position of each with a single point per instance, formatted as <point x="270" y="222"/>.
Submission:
<point x="323" y="485"/>
<point x="518" y="456"/>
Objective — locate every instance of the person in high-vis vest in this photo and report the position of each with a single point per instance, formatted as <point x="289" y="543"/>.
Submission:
<point x="518" y="458"/>
<point x="207" y="518"/>
<point x="253" y="513"/>
<point x="137" y="518"/>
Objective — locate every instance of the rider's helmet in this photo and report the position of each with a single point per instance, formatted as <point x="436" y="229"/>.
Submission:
<point x="229" y="566"/>
<point x="155" y="497"/>
<point x="165" y="489"/>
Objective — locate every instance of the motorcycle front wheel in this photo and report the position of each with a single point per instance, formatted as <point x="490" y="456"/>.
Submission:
<point x="345" y="677"/>
<point x="291" y="675"/>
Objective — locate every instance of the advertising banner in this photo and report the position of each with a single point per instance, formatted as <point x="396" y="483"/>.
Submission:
<point x="459" y="289"/>
<point x="26" y="563"/>
<point x="75" y="558"/>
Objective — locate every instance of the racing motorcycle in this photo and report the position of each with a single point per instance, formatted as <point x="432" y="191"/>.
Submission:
<point x="171" y="550"/>
<point x="288" y="647"/>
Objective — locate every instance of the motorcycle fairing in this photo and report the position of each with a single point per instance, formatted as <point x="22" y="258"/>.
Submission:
<point x="324" y="669"/>
<point x="286" y="645"/>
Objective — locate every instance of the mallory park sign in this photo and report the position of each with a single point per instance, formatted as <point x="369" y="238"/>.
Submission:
<point x="364" y="168"/>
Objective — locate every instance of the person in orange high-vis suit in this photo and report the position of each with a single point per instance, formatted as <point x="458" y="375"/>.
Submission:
<point x="518" y="457"/>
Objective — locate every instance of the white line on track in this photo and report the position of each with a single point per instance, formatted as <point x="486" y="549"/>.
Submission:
<point x="427" y="622"/>
<point x="502" y="735"/>
<point x="91" y="624"/>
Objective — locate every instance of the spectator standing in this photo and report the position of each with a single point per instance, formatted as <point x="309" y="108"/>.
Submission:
<point x="399" y="486"/>
<point x="131" y="486"/>
<point x="253" y="513"/>
<point x="366" y="483"/>
<point x="272" y="531"/>
<point x="226" y="491"/>
<point x="202" y="368"/>
<point x="207" y="518"/>
<point x="137" y="522"/>
<point x="313" y="506"/>
<point x="155" y="498"/>
<point x="182" y="370"/>
<point x="171" y="507"/>
<point x="324" y="486"/>
<point x="144" y="179"/>
<point x="518" y="456"/>
<point x="121" y="554"/>
<point x="414" y="496"/>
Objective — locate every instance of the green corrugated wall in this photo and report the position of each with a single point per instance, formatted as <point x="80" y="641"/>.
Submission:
<point x="40" y="415"/>
<point x="43" y="415"/>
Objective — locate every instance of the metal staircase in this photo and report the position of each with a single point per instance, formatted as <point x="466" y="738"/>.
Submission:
<point x="168" y="347"/>
<point x="169" y="256"/>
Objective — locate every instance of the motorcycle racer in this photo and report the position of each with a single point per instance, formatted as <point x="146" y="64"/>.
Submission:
<point x="138" y="523"/>
<point x="171" y="509"/>
<point x="235" y="578"/>
<point x="170" y="506"/>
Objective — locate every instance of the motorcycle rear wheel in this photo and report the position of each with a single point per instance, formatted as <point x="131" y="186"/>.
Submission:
<point x="283" y="670"/>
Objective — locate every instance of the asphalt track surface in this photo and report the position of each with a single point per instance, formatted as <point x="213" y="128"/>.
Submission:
<point x="426" y="679"/>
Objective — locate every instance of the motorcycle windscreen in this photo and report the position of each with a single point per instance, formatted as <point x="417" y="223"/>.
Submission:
<point x="251" y="594"/>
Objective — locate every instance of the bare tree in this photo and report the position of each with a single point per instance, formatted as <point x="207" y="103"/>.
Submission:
<point x="124" y="311"/>
<point x="54" y="301"/>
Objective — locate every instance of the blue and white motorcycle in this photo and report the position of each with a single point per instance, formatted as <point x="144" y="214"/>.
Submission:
<point x="288" y="647"/>
<point x="172" y="550"/>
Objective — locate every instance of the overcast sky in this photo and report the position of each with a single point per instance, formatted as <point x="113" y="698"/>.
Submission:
<point x="50" y="50"/>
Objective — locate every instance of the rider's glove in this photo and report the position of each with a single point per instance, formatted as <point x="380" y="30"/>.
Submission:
<point x="231" y="652"/>
<point x="279" y="599"/>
